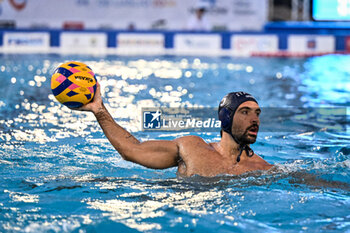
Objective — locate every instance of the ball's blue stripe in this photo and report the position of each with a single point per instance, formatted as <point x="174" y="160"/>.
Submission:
<point x="66" y="83"/>
<point x="66" y="73"/>
<point x="73" y="104"/>
<point x="72" y="93"/>
<point x="73" y="65"/>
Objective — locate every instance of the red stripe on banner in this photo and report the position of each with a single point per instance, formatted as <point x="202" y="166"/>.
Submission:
<point x="292" y="54"/>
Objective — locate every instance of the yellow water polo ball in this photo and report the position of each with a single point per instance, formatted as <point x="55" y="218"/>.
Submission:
<point x="73" y="84"/>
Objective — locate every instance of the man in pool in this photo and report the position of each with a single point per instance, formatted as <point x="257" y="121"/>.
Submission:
<point x="239" y="116"/>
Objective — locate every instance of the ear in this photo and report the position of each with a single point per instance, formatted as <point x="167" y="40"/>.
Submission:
<point x="225" y="118"/>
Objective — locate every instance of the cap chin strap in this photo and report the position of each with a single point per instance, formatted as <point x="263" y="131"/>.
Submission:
<point x="247" y="149"/>
<point x="242" y="147"/>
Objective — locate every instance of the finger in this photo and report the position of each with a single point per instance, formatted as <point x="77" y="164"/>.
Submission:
<point x="82" y="108"/>
<point x="98" y="89"/>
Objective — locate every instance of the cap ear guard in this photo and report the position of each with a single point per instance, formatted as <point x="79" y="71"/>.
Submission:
<point x="225" y="118"/>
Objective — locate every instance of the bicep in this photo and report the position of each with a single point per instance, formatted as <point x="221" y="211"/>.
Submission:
<point x="158" y="154"/>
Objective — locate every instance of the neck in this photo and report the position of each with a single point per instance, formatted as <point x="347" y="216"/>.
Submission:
<point x="229" y="147"/>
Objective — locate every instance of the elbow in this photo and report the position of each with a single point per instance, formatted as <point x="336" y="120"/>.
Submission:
<point x="128" y="153"/>
<point x="126" y="157"/>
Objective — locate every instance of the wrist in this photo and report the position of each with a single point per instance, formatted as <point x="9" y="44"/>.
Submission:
<point x="99" y="109"/>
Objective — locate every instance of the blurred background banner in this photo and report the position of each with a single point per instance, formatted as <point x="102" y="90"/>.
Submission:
<point x="133" y="14"/>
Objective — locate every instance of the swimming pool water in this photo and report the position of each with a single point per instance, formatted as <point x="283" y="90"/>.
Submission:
<point x="60" y="174"/>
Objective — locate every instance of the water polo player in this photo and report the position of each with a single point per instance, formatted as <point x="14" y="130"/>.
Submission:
<point x="239" y="115"/>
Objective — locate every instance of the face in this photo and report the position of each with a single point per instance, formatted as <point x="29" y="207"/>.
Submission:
<point x="246" y="122"/>
<point x="200" y="12"/>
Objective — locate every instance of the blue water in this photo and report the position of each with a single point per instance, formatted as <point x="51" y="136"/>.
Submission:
<point x="59" y="173"/>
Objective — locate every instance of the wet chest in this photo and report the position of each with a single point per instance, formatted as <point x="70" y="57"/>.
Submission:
<point x="209" y="163"/>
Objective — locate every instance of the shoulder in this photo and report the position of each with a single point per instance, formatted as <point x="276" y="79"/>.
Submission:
<point x="191" y="142"/>
<point x="190" y="139"/>
<point x="260" y="160"/>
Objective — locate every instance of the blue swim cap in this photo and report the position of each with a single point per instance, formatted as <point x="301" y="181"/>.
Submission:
<point x="228" y="107"/>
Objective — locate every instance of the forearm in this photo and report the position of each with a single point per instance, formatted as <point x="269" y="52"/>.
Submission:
<point x="117" y="135"/>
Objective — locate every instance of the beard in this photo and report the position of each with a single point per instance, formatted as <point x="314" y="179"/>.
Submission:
<point x="247" y="139"/>
<point x="244" y="138"/>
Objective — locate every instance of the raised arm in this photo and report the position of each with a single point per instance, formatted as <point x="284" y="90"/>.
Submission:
<point x="153" y="154"/>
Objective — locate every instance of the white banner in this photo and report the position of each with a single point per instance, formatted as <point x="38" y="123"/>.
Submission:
<point x="140" y="43"/>
<point x="83" y="43"/>
<point x="197" y="44"/>
<point x="311" y="43"/>
<point x="26" y="42"/>
<point x="134" y="14"/>
<point x="246" y="45"/>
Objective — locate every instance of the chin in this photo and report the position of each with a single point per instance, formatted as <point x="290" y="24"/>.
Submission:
<point x="247" y="139"/>
<point x="250" y="139"/>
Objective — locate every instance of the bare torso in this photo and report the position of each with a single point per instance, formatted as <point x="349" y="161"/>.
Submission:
<point x="201" y="158"/>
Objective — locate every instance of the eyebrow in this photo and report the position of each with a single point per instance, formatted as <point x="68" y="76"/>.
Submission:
<point x="248" y="108"/>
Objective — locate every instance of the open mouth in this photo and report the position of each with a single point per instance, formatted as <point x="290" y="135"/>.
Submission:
<point x="253" y="130"/>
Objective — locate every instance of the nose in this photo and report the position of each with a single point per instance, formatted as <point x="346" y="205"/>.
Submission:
<point x="255" y="119"/>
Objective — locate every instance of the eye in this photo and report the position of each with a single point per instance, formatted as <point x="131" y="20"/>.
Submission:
<point x="245" y="112"/>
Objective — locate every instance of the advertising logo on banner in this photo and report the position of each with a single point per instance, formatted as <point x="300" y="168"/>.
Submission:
<point x="246" y="45"/>
<point x="26" y="42"/>
<point x="197" y="44"/>
<point x="18" y="4"/>
<point x="83" y="43"/>
<point x="141" y="43"/>
<point x="311" y="43"/>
